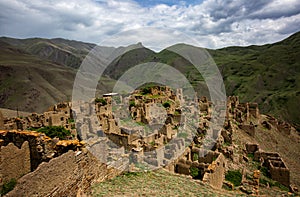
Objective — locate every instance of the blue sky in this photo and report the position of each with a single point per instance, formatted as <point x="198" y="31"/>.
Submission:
<point x="213" y="23"/>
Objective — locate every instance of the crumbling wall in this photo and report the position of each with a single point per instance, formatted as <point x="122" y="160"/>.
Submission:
<point x="215" y="173"/>
<point x="42" y="148"/>
<point x="1" y="121"/>
<point x="211" y="166"/>
<point x="63" y="176"/>
<point x="279" y="172"/>
<point x="14" y="162"/>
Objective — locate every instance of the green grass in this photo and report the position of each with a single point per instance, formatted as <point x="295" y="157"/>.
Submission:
<point x="155" y="183"/>
<point x="8" y="186"/>
<point x="234" y="176"/>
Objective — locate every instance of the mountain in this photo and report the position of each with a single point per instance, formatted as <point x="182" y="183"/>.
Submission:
<point x="60" y="51"/>
<point x="33" y="78"/>
<point x="267" y="74"/>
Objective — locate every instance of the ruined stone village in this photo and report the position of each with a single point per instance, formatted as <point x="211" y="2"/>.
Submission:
<point x="145" y="130"/>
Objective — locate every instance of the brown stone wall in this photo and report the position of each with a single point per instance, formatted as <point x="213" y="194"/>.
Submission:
<point x="1" y="121"/>
<point x="216" y="172"/>
<point x="63" y="176"/>
<point x="14" y="162"/>
<point x="279" y="172"/>
<point x="42" y="148"/>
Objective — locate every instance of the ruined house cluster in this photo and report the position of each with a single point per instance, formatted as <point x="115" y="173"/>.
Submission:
<point x="149" y="127"/>
<point x="274" y="163"/>
<point x="146" y="128"/>
<point x="57" y="115"/>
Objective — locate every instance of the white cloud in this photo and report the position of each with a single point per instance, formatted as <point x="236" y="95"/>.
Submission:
<point x="213" y="23"/>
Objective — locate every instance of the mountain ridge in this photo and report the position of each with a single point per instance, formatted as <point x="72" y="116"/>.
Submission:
<point x="267" y="74"/>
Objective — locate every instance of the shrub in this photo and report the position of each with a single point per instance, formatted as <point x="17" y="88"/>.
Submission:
<point x="264" y="170"/>
<point x="166" y="104"/>
<point x="195" y="157"/>
<point x="131" y="104"/>
<point x="101" y="100"/>
<point x="146" y="90"/>
<point x="7" y="187"/>
<point x="250" y="155"/>
<point x="194" y="172"/>
<point x="234" y="176"/>
<point x="55" y="131"/>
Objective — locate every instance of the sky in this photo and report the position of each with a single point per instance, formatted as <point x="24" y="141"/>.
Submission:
<point x="213" y="23"/>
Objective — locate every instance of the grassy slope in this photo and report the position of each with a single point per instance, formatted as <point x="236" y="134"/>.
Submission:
<point x="157" y="183"/>
<point x="273" y="141"/>
<point x="269" y="75"/>
<point x="164" y="183"/>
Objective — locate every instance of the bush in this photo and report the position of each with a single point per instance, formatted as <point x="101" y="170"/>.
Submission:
<point x="55" y="131"/>
<point x="265" y="171"/>
<point x="234" y="176"/>
<point x="250" y="155"/>
<point x="101" y="100"/>
<point x="131" y="104"/>
<point x="194" y="172"/>
<point x="166" y="104"/>
<point x="7" y="187"/>
<point x="146" y="90"/>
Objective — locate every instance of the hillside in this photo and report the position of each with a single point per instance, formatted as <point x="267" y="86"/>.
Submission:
<point x="164" y="183"/>
<point x="268" y="74"/>
<point x="60" y="51"/>
<point x="157" y="183"/>
<point x="32" y="83"/>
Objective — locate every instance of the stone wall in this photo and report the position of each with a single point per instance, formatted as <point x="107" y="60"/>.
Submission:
<point x="211" y="166"/>
<point x="65" y="175"/>
<point x="278" y="169"/>
<point x="216" y="172"/>
<point x="1" y="121"/>
<point x="279" y="172"/>
<point x="42" y="148"/>
<point x="14" y="162"/>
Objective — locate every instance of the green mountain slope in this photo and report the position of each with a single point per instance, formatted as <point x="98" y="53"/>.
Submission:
<point x="267" y="74"/>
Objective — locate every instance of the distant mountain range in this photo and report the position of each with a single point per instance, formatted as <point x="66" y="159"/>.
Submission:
<point x="36" y="73"/>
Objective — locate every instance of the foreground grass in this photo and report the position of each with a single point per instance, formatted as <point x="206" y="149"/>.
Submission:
<point x="156" y="183"/>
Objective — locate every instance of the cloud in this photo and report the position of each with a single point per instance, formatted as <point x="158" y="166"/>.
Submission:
<point x="214" y="23"/>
